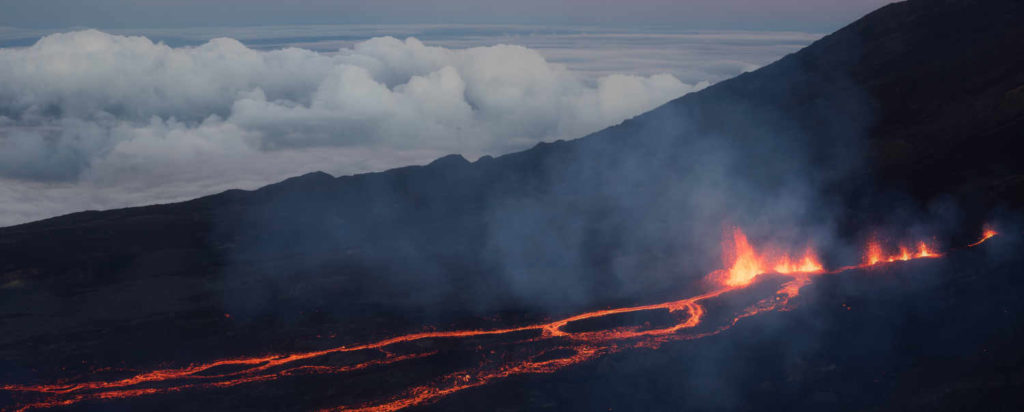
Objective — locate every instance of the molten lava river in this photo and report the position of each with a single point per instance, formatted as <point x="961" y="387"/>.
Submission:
<point x="504" y="352"/>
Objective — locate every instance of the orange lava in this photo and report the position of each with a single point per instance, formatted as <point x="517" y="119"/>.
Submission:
<point x="988" y="233"/>
<point x="743" y="264"/>
<point x="875" y="254"/>
<point x="923" y="251"/>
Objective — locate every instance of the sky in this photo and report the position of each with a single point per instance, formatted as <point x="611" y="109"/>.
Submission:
<point x="801" y="15"/>
<point x="104" y="105"/>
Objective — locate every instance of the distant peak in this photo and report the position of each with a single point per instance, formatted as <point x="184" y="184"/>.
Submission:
<point x="312" y="177"/>
<point x="449" y="160"/>
<point x="317" y="175"/>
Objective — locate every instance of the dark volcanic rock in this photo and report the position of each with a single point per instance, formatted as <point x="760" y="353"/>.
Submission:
<point x="916" y="105"/>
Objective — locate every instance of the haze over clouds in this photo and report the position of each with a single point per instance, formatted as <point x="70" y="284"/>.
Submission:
<point x="804" y="15"/>
<point x="94" y="120"/>
<point x="692" y="56"/>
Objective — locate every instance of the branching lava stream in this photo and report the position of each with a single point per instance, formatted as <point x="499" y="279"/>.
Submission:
<point x="537" y="348"/>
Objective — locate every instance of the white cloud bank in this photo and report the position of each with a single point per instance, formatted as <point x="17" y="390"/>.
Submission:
<point x="93" y="120"/>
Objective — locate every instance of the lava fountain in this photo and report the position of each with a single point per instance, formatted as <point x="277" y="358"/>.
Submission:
<point x="744" y="263"/>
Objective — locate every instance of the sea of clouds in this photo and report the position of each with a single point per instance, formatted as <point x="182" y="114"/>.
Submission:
<point x="92" y="120"/>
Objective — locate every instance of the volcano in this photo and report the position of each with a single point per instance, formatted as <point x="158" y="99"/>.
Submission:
<point x="586" y="274"/>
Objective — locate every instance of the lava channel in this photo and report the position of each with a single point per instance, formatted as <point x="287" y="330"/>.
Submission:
<point x="531" y="349"/>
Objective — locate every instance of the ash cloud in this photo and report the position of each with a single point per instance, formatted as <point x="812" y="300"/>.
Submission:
<point x="101" y="117"/>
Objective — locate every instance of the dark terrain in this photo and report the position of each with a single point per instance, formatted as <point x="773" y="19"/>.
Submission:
<point x="909" y="118"/>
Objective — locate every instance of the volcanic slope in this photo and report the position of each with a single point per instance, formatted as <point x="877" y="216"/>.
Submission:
<point x="917" y="103"/>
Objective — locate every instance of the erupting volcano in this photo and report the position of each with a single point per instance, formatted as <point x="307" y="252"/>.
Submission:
<point x="562" y="271"/>
<point x="504" y="352"/>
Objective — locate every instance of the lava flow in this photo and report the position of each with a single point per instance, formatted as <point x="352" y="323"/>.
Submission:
<point x="530" y="349"/>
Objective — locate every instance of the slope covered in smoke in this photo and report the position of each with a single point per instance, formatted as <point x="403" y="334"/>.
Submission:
<point x="904" y="116"/>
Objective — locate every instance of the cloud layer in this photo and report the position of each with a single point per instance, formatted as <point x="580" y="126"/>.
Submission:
<point x="101" y="120"/>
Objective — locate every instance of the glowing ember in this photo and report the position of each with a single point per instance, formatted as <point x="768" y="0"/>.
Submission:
<point x="743" y="264"/>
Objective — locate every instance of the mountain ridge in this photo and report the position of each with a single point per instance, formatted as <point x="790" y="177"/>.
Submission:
<point x="880" y="23"/>
<point x="834" y="113"/>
